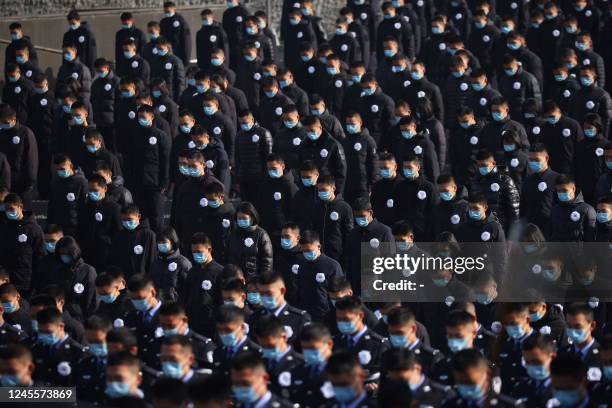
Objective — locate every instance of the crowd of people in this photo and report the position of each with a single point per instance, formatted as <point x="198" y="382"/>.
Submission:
<point x="278" y="157"/>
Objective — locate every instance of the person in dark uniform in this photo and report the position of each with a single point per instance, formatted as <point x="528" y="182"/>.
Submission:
<point x="114" y="302"/>
<point x="173" y="322"/>
<point x="176" y="357"/>
<point x="568" y="381"/>
<point x="124" y="379"/>
<point x="17" y="366"/>
<point x="18" y="40"/>
<point x="68" y="193"/>
<point x="174" y="27"/>
<point x="134" y="247"/>
<point x="168" y="66"/>
<point x="130" y="62"/>
<point x="92" y="368"/>
<point x="474" y="382"/>
<point x="272" y="289"/>
<point x="209" y="38"/>
<point x="580" y="327"/>
<point x="128" y="31"/>
<point x="9" y="335"/>
<point x="144" y="319"/>
<point x="571" y="219"/>
<point x="347" y="376"/>
<point x="22" y="243"/>
<point x="358" y="338"/>
<point x="402" y="328"/>
<point x="82" y="37"/>
<point x="17" y="91"/>
<point x="232" y="333"/>
<point x="404" y="364"/>
<point x="15" y="309"/>
<point x="19" y="145"/>
<point x="55" y="353"/>
<point x="535" y="390"/>
<point x="280" y="357"/>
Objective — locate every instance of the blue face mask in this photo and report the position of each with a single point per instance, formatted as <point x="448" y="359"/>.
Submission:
<point x="403" y="245"/>
<point x="108" y="298"/>
<point x="184" y="170"/>
<point x="362" y="221"/>
<point x="480" y="24"/>
<point x="586" y="81"/>
<point x="68" y="57"/>
<point x="162" y="53"/>
<point x="125" y="94"/>
<point x="13" y="79"/>
<point x="446" y="195"/>
<point x="398" y="68"/>
<point x="209" y="111"/>
<point x="129" y="225"/>
<point x="457" y="74"/>
<point x="78" y="120"/>
<point x="254" y="298"/>
<point x="15" y="36"/>
<point x="549" y="275"/>
<point x="39" y="91"/>
<point x="408" y="134"/>
<point x="9" y="307"/>
<point x="385" y="173"/>
<point x="251" y="31"/>
<point x="567" y="398"/>
<point x="216" y="62"/>
<point x="577" y="336"/>
<point x="509" y="147"/>
<point x="316" y="112"/>
<point x="275" y="173"/>
<point x="156" y="93"/>
<point x="199" y="257"/>
<point x="185" y="129"/>
<point x="164" y="247"/>
<point x="172" y="369"/>
<point x="352" y="129"/>
<point x="368" y="91"/>
<point x="440" y="282"/>
<point x="310" y="255"/>
<point x="324" y="195"/>
<point x="283" y="84"/>
<point x="560" y="78"/>
<point x="191" y="82"/>
<point x="67" y="109"/>
<point x="270" y="94"/>
<point x="398" y="341"/>
<point x="305" y="58"/>
<point x="95" y="196"/>
<point x="286" y="243"/>
<point x="470" y="392"/>
<point x="144" y="122"/>
<point x="581" y="46"/>
<point x="9" y="381"/>
<point x="308" y="182"/>
<point x="415" y="75"/>
<point x="535" y="317"/>
<point x="48" y="339"/>
<point x="129" y="54"/>
<point x="436" y="30"/>
<point x="409" y="174"/>
<point x="67" y="259"/>
<point x="50" y="246"/>
<point x="63" y="174"/>
<point x="331" y="70"/>
<point x="246" y="126"/>
<point x="477" y="87"/>
<point x="229" y="339"/>
<point x="465" y="125"/>
<point x="347" y="327"/>
<point x="506" y="29"/>
<point x="483" y="299"/>
<point x="214" y="203"/>
<point x="12" y="215"/>
<point x="515" y="331"/>
<point x="289" y="124"/>
<point x="201" y="88"/>
<point x="483" y="170"/>
<point x="513" y="46"/>
<point x="498" y="116"/>
<point x="313" y="357"/>
<point x="603" y="217"/>
<point x="535" y="166"/>
<point x="242" y="223"/>
<point x="98" y="349"/>
<point x="456" y="345"/>
<point x="249" y="57"/>
<point x="345" y="394"/>
<point x="590" y="132"/>
<point x="272" y="354"/>
<point x="116" y="389"/>
<point x="563" y="196"/>
<point x="269" y="302"/>
<point x="510" y="71"/>
<point x="245" y="395"/>
<point x="142" y="305"/>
